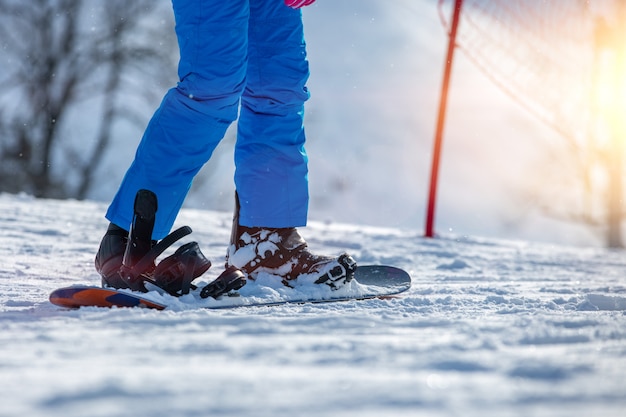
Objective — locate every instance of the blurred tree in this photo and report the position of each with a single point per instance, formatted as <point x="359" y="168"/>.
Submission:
<point x="70" y="62"/>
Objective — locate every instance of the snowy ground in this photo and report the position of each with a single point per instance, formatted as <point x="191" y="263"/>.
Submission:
<point x="489" y="328"/>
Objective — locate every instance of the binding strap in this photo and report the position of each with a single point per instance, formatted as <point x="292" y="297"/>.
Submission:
<point x="148" y="260"/>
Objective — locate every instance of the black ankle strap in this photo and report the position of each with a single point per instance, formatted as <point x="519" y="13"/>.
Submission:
<point x="149" y="258"/>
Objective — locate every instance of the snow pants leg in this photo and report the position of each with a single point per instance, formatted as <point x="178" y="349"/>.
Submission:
<point x="271" y="163"/>
<point x="248" y="52"/>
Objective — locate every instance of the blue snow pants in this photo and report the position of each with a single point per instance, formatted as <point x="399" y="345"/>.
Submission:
<point x="235" y="55"/>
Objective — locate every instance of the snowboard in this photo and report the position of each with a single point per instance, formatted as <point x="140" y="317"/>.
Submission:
<point x="370" y="281"/>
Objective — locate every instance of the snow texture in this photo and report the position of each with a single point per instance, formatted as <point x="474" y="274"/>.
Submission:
<point x="489" y="328"/>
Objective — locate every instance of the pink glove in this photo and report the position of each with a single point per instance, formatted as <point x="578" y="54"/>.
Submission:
<point x="296" y="4"/>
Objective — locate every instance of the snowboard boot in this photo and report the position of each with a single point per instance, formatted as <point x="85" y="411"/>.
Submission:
<point x="120" y="250"/>
<point x="283" y="252"/>
<point x="127" y="259"/>
<point x="110" y="255"/>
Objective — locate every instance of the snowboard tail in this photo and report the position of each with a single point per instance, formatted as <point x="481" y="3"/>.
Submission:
<point x="90" y="296"/>
<point x="373" y="281"/>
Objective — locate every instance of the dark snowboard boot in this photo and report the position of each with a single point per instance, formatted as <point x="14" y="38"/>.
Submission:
<point x="111" y="254"/>
<point x="127" y="259"/>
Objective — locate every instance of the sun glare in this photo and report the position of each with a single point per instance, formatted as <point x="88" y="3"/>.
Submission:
<point x="609" y="85"/>
<point x="610" y="112"/>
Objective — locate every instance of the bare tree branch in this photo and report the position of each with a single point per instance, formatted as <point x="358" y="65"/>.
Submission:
<point x="60" y="54"/>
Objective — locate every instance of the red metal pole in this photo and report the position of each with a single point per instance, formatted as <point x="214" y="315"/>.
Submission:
<point x="443" y="101"/>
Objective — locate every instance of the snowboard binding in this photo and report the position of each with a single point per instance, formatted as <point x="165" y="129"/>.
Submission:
<point x="230" y="280"/>
<point x="173" y="274"/>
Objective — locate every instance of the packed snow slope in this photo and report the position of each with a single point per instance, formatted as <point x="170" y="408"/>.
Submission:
<point x="489" y="328"/>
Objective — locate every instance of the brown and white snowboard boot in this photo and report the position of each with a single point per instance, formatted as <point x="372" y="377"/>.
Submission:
<point x="284" y="253"/>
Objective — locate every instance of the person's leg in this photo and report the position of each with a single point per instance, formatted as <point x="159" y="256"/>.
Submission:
<point x="194" y="116"/>
<point x="271" y="162"/>
<point x="184" y="131"/>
